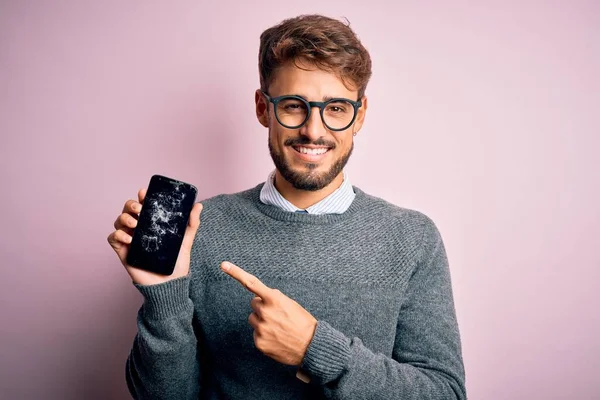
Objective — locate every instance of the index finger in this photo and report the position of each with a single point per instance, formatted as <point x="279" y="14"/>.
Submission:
<point x="249" y="281"/>
<point x="132" y="207"/>
<point x="142" y="195"/>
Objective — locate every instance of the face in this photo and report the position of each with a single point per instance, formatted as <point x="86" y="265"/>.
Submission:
<point x="288" y="147"/>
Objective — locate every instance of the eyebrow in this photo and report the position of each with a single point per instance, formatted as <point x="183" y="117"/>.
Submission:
<point x="325" y="98"/>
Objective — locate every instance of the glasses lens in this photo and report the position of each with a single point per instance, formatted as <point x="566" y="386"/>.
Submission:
<point x="291" y="112"/>
<point x="338" y="114"/>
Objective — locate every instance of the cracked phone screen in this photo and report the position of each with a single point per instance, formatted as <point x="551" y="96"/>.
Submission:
<point x="161" y="225"/>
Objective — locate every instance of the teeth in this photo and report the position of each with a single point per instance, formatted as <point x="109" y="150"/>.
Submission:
<point x="312" y="151"/>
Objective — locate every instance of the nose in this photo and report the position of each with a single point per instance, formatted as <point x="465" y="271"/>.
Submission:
<point x="314" y="127"/>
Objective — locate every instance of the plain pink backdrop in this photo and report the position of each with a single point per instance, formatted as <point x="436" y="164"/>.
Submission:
<point x="484" y="115"/>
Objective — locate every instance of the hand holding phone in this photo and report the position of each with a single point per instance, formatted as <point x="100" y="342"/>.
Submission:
<point x="160" y="251"/>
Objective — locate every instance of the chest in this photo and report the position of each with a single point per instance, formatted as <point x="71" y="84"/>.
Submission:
<point x="357" y="286"/>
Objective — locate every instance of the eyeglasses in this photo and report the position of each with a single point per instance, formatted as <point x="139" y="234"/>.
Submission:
<point x="293" y="111"/>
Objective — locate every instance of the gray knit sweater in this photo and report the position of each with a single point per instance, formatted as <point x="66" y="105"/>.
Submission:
<point x="375" y="277"/>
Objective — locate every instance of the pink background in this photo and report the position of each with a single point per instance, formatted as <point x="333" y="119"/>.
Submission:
<point x="483" y="115"/>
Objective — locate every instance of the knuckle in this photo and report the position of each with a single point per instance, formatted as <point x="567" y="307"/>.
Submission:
<point x="123" y="236"/>
<point x="258" y="333"/>
<point x="253" y="320"/>
<point x="131" y="222"/>
<point x="133" y="206"/>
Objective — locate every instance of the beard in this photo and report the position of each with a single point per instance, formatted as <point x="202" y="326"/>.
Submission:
<point x="311" y="180"/>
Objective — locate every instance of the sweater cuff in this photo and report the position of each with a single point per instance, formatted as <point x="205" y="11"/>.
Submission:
<point x="164" y="300"/>
<point x="327" y="355"/>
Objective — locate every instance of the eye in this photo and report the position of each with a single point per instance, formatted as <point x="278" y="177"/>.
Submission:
<point x="338" y="107"/>
<point x="291" y="106"/>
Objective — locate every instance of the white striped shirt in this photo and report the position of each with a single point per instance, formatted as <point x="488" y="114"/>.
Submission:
<point x="336" y="203"/>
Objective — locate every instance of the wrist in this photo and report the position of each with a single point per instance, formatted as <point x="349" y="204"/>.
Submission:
<point x="163" y="300"/>
<point x="327" y="355"/>
<point x="312" y="327"/>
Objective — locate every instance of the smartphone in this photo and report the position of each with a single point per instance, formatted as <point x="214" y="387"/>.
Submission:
<point x="161" y="225"/>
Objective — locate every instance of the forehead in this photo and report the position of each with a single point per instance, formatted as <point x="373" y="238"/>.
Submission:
<point x="309" y="82"/>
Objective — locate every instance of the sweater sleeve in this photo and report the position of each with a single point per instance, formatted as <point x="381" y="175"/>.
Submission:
<point x="162" y="363"/>
<point x="426" y="361"/>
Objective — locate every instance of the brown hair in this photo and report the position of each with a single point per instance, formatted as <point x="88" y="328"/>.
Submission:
<point x="327" y="43"/>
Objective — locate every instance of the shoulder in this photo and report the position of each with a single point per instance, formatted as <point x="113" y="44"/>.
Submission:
<point x="226" y="202"/>
<point x="409" y="224"/>
<point x="395" y="213"/>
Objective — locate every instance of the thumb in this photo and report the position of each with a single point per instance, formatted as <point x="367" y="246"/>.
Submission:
<point x="192" y="227"/>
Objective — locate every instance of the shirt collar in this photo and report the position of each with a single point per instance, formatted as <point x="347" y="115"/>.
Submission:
<point x="336" y="203"/>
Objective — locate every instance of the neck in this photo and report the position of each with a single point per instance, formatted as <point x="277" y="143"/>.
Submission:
<point x="305" y="198"/>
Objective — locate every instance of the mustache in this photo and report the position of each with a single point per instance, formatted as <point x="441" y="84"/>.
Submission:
<point x="306" y="141"/>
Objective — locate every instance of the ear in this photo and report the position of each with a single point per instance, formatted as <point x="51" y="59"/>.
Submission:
<point x="262" y="108"/>
<point x="360" y="115"/>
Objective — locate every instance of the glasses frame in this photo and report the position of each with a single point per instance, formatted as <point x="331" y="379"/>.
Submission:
<point x="309" y="106"/>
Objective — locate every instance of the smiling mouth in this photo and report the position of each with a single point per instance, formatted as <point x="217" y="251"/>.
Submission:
<point x="311" y="151"/>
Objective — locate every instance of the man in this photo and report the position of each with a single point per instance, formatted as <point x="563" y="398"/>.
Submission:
<point x="323" y="291"/>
